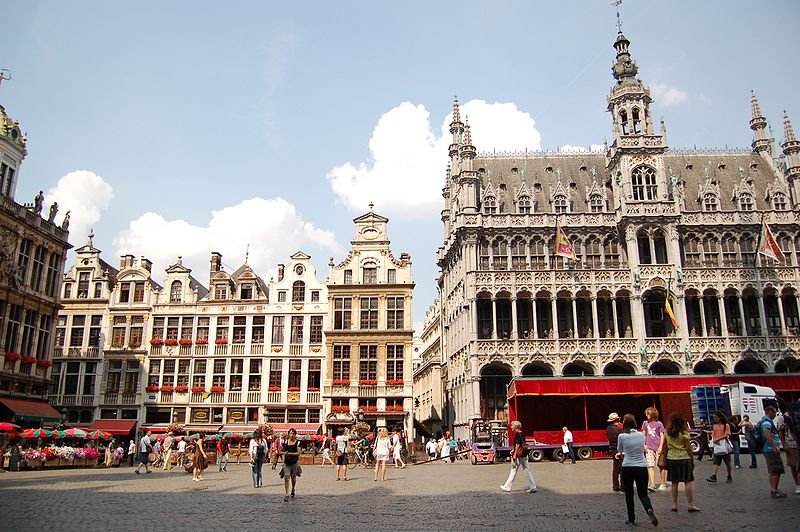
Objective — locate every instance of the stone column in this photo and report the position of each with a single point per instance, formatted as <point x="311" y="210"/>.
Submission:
<point x="782" y="316"/>
<point x="554" y="317"/>
<point x="723" y="314"/>
<point x="703" y="328"/>
<point x="596" y="333"/>
<point x="573" y="305"/>
<point x="614" y="324"/>
<point x="742" y="318"/>
<point x="514" y="331"/>
<point x="534" y="325"/>
<point x="494" y="317"/>
<point x="473" y="327"/>
<point x="762" y="315"/>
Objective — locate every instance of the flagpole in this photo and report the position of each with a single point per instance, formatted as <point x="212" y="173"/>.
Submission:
<point x="758" y="241"/>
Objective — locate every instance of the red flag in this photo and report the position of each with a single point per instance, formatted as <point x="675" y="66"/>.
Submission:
<point x="562" y="245"/>
<point x="769" y="246"/>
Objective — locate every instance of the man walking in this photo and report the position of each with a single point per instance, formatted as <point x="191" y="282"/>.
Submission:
<point x="144" y="453"/>
<point x="342" y="442"/>
<point x="223" y="448"/>
<point x="277" y="445"/>
<point x="180" y="453"/>
<point x="772" y="451"/>
<point x="613" y="431"/>
<point x="169" y="443"/>
<point x="567" y="447"/>
<point x="131" y="452"/>
<point x="519" y="459"/>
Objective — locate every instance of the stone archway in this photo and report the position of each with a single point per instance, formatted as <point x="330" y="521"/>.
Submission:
<point x="749" y="365"/>
<point x="619" y="367"/>
<point x="787" y="365"/>
<point x="709" y="366"/>
<point x="665" y="367"/>
<point x="537" y="369"/>
<point x="577" y="368"/>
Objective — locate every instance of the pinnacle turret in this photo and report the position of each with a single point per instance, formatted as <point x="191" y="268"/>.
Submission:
<point x="761" y="142"/>
<point x="788" y="132"/>
<point x="625" y="67"/>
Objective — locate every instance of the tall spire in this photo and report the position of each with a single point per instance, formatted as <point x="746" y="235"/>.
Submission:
<point x="456" y="111"/>
<point x="625" y="66"/>
<point x="788" y="132"/>
<point x="761" y="142"/>
<point x="791" y="152"/>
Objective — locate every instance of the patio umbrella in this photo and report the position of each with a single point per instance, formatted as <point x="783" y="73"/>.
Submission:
<point x="213" y="437"/>
<point x="8" y="427"/>
<point x="59" y="434"/>
<point x="75" y="433"/>
<point x="36" y="433"/>
<point x="195" y="436"/>
<point x="98" y="435"/>
<point x="160" y="437"/>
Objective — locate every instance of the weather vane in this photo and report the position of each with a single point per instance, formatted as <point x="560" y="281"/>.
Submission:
<point x="4" y="74"/>
<point x="618" y="3"/>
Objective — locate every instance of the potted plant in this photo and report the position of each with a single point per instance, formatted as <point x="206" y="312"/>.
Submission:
<point x="156" y="342"/>
<point x="221" y="341"/>
<point x="167" y="388"/>
<point x="11" y="356"/>
<point x="274" y="389"/>
<point x="294" y="388"/>
<point x="217" y="389"/>
<point x="181" y="388"/>
<point x="313" y="389"/>
<point x="368" y="382"/>
<point x="341" y="382"/>
<point x="202" y="341"/>
<point x="151" y="388"/>
<point x="44" y="363"/>
<point x="395" y="382"/>
<point x="198" y="389"/>
<point x="171" y="341"/>
<point x="185" y="341"/>
<point x="340" y="409"/>
<point x="29" y="360"/>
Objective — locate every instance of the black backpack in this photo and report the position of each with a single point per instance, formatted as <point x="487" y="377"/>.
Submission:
<point x="758" y="436"/>
<point x="260" y="452"/>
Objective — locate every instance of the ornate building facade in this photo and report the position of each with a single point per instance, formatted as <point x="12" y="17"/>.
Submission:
<point x="131" y="353"/>
<point x="369" y="337"/>
<point x="32" y="251"/>
<point x="429" y="378"/>
<point x="648" y="224"/>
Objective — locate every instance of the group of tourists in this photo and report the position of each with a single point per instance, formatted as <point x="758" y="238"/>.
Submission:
<point x="447" y="449"/>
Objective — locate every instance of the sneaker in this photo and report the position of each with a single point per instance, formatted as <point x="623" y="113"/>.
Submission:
<point x="778" y="495"/>
<point x="651" y="489"/>
<point x="797" y="490"/>
<point x="663" y="487"/>
<point x="738" y="467"/>
<point x="653" y="518"/>
<point x="505" y="488"/>
<point x="729" y="480"/>
<point x="629" y="523"/>
<point x="531" y="491"/>
<point x="712" y="478"/>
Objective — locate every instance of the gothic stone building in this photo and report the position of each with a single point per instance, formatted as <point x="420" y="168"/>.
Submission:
<point x="32" y="250"/>
<point x="647" y="223"/>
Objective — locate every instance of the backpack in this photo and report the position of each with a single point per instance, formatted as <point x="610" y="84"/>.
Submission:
<point x="260" y="454"/>
<point x="758" y="436"/>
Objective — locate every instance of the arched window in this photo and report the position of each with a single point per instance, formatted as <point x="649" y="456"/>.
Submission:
<point x="490" y="205"/>
<point x="176" y="292"/>
<point x="711" y="251"/>
<point x="643" y="242"/>
<point x="518" y="258"/>
<point x="483" y="258"/>
<point x="538" y="253"/>
<point x="710" y="202"/>
<point x="643" y="181"/>
<point x="524" y="205"/>
<point x="611" y="253"/>
<point x="786" y="245"/>
<point x="500" y="254"/>
<point x="660" y="247"/>
<point x="592" y="256"/>
<point x="729" y="246"/>
<point x="299" y="291"/>
<point x="637" y="124"/>
<point x="623" y="119"/>
<point x="596" y="203"/>
<point x="560" y="204"/>
<point x="779" y="201"/>
<point x="745" y="201"/>
<point x="747" y="247"/>
<point x="691" y="251"/>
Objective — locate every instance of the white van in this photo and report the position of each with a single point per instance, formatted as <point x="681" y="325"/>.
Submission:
<point x="751" y="400"/>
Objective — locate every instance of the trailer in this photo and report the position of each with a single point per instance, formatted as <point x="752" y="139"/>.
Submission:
<point x="546" y="404"/>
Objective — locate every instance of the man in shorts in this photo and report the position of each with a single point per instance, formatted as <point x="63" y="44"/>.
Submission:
<point x="772" y="451"/>
<point x="144" y="453"/>
<point x="342" y="442"/>
<point x="788" y="425"/>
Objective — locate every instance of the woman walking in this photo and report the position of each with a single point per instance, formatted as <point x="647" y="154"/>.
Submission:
<point x="382" y="444"/>
<point x="199" y="461"/>
<point x="680" y="460"/>
<point x="291" y="463"/>
<point x="736" y="431"/>
<point x="519" y="459"/>
<point x="397" y="449"/>
<point x="720" y="439"/>
<point x="326" y="455"/>
<point x="630" y="448"/>
<point x="258" y="453"/>
<point x="653" y="431"/>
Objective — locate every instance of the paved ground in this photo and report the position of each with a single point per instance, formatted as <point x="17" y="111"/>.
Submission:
<point x="422" y="497"/>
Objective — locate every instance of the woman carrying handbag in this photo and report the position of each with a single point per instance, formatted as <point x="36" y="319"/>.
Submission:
<point x="721" y="446"/>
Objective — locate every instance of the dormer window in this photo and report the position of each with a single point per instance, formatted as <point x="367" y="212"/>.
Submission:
<point x="369" y="275"/>
<point x="246" y="291"/>
<point x="710" y="203"/>
<point x="596" y="203"/>
<point x="220" y="291"/>
<point x="779" y="201"/>
<point x="524" y="205"/>
<point x="560" y="204"/>
<point x="176" y="292"/>
<point x="83" y="285"/>
<point x="98" y="290"/>
<point x="490" y="205"/>
<point x="745" y="202"/>
<point x="67" y="290"/>
<point x="644" y="184"/>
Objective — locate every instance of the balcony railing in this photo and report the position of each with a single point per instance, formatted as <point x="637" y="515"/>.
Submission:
<point x="256" y="349"/>
<point x="237" y="349"/>
<point x="76" y="352"/>
<point x="201" y="350"/>
<point x="368" y="391"/>
<point x="234" y="397"/>
<point x="166" y="397"/>
<point x="313" y="397"/>
<point x="296" y="349"/>
<point x="273" y="397"/>
<point x="217" y="397"/>
<point x="221" y="349"/>
<point x="253" y="397"/>
<point x="197" y="397"/>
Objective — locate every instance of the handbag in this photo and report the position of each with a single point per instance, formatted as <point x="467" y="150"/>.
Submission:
<point x="723" y="447"/>
<point x="662" y="459"/>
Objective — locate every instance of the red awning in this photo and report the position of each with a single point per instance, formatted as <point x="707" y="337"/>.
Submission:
<point x="301" y="428"/>
<point x="117" y="427"/>
<point x="32" y="411"/>
<point x="641" y="385"/>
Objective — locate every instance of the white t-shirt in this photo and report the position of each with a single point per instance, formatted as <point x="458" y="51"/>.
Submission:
<point x="341" y="443"/>
<point x="568" y="437"/>
<point x="431" y="447"/>
<point x="144" y="444"/>
<point x="182" y="446"/>
<point x="787" y="434"/>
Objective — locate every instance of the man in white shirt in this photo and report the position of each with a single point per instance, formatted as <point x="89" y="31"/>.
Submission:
<point x="169" y="441"/>
<point x="430" y="447"/>
<point x="342" y="443"/>
<point x="180" y="452"/>
<point x="144" y="453"/>
<point x="567" y="447"/>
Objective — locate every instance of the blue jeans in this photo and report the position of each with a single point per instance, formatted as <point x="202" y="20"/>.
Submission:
<point x="521" y="463"/>
<point x="257" y="472"/>
<point x="736" y="450"/>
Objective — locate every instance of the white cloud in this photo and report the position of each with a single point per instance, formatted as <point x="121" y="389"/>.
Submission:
<point x="406" y="173"/>
<point x="668" y="96"/>
<point x="85" y="195"/>
<point x="272" y="227"/>
<point x="594" y="148"/>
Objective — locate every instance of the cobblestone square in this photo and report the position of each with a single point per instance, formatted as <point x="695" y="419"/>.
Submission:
<point x="432" y="496"/>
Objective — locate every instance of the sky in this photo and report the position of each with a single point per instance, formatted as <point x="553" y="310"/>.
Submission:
<point x="185" y="127"/>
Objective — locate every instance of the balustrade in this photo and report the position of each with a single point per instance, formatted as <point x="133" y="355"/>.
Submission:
<point x="273" y="397"/>
<point x="254" y="397"/>
<point x="234" y="397"/>
<point x="313" y="397"/>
